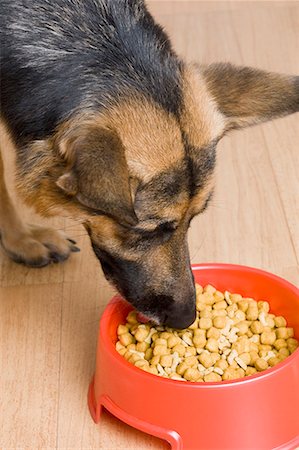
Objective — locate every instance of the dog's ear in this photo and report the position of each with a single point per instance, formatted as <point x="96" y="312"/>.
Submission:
<point x="97" y="174"/>
<point x="247" y="96"/>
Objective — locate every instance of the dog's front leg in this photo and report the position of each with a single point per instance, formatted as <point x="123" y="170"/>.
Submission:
<point x="32" y="245"/>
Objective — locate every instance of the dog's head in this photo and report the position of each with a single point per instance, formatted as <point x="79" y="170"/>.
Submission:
<point x="141" y="174"/>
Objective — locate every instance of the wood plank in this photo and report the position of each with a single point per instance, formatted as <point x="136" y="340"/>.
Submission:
<point x="30" y="348"/>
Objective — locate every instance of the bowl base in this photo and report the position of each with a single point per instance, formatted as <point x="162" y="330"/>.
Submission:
<point x="95" y="408"/>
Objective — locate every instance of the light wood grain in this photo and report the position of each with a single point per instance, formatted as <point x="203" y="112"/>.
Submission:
<point x="49" y="317"/>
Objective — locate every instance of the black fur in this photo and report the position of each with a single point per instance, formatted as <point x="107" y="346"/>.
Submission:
<point x="59" y="56"/>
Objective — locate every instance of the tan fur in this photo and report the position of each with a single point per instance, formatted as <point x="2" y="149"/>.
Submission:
<point x="23" y="242"/>
<point x="200" y="198"/>
<point x="151" y="137"/>
<point x="247" y="96"/>
<point x="200" y="120"/>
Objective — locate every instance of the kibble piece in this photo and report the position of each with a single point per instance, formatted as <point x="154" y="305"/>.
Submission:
<point x="172" y="341"/>
<point x="200" y="306"/>
<point x="273" y="361"/>
<point x="166" y="360"/>
<point x="122" y="351"/>
<point x="220" y="305"/>
<point x="175" y="376"/>
<point x="213" y="376"/>
<point x="132" y="317"/>
<point x="218" y="296"/>
<point x="134" y="357"/>
<point x="250" y="371"/>
<point x="290" y="332"/>
<point x="122" y="329"/>
<point x="142" y="346"/>
<point x="280" y="321"/>
<point x="252" y="312"/>
<point x="152" y="369"/>
<point x="219" y="322"/>
<point x="219" y="313"/>
<point x="206" y="360"/>
<point x="221" y="364"/>
<point x="199" y="341"/>
<point x="212" y="345"/>
<point x="256" y="327"/>
<point x="141" y="363"/>
<point x="254" y="347"/>
<point x="235" y="298"/>
<point x="155" y="360"/>
<point x="181" y="368"/>
<point x="200" y="332"/>
<point x="192" y="374"/>
<point x="191" y="361"/>
<point x="242" y="345"/>
<point x="119" y="346"/>
<point x="268" y="338"/>
<point x="160" y="341"/>
<point x="141" y="334"/>
<point x="246" y="358"/>
<point x="205" y="314"/>
<point x="242" y="327"/>
<point x="148" y="354"/>
<point x="243" y="305"/>
<point x="231" y="374"/>
<point x="155" y="336"/>
<point x="198" y="288"/>
<point x="263" y="306"/>
<point x="205" y="323"/>
<point x="194" y="325"/>
<point x="180" y="349"/>
<point x="282" y="333"/>
<point x="231" y="309"/>
<point x="270" y="322"/>
<point x="126" y="339"/>
<point x="280" y="343"/>
<point x="265" y="347"/>
<point x="213" y="333"/>
<point x="293" y="344"/>
<point x="215" y="357"/>
<point x="209" y="288"/>
<point x="283" y="353"/>
<point x="260" y="364"/>
<point x="206" y="298"/>
<point x="253" y="357"/>
<point x="190" y="351"/>
<point x="165" y="335"/>
<point x="160" y="350"/>
<point x="131" y="347"/>
<point x="239" y="316"/>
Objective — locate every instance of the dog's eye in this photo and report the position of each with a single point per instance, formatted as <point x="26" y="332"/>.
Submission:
<point x="163" y="230"/>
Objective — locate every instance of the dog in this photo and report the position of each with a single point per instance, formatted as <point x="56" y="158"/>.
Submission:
<point x="112" y="128"/>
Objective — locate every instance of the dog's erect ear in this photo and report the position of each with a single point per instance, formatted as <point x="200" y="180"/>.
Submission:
<point x="97" y="174"/>
<point x="247" y="96"/>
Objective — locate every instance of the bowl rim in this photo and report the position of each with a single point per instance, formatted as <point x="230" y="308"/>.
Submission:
<point x="120" y="360"/>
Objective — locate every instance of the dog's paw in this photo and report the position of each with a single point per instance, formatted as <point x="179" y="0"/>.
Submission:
<point x="38" y="246"/>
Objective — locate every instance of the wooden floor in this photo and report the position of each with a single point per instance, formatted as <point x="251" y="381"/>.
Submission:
<point x="49" y="316"/>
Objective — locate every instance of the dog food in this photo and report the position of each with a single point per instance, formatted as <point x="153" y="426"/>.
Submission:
<point x="232" y="337"/>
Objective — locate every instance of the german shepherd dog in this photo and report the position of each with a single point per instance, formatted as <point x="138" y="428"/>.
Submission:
<point x="112" y="128"/>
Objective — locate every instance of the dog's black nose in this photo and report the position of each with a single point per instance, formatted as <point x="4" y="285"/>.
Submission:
<point x="181" y="315"/>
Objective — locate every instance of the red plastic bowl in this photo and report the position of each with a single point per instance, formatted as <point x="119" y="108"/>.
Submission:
<point x="258" y="412"/>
